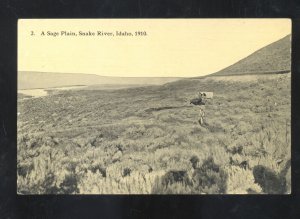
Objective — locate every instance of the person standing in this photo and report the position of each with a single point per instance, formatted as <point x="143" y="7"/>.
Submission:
<point x="201" y="116"/>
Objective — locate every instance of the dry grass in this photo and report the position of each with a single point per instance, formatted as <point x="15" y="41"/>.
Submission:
<point x="117" y="142"/>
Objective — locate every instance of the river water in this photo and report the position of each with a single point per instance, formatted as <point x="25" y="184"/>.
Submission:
<point x="44" y="92"/>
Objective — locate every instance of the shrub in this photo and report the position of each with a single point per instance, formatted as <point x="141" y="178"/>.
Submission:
<point x="272" y="182"/>
<point x="269" y="181"/>
<point x="174" y="188"/>
<point x="241" y="181"/>
<point x="99" y="168"/>
<point x="69" y="185"/>
<point x="126" y="172"/>
<point x="175" y="176"/>
<point x="210" y="178"/>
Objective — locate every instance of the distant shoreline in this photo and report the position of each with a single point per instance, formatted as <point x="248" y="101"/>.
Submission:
<point x="70" y="73"/>
<point x="52" y="87"/>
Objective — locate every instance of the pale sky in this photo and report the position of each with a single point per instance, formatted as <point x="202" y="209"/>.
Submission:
<point x="172" y="47"/>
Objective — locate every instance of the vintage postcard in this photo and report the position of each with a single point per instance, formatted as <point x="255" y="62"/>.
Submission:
<point x="154" y="106"/>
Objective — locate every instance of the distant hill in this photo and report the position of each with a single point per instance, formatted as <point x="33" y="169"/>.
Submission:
<point x="273" y="58"/>
<point x="31" y="80"/>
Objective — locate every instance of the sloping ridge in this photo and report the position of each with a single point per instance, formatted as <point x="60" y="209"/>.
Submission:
<point x="271" y="59"/>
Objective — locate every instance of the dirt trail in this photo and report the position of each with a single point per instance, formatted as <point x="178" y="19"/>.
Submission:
<point x="155" y="109"/>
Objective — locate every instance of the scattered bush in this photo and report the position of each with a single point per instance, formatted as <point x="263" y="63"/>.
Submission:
<point x="268" y="180"/>
<point x="175" y="176"/>
<point x="241" y="181"/>
<point x="126" y="172"/>
<point x="209" y="178"/>
<point x="107" y="142"/>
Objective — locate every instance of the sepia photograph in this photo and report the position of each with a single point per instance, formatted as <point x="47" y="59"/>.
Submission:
<point x="154" y="106"/>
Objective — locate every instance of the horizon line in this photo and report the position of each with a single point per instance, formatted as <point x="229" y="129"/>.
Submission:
<point x="108" y="76"/>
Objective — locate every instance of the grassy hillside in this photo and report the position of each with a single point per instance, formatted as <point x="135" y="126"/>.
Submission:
<point x="134" y="140"/>
<point x="270" y="59"/>
<point x="31" y="80"/>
